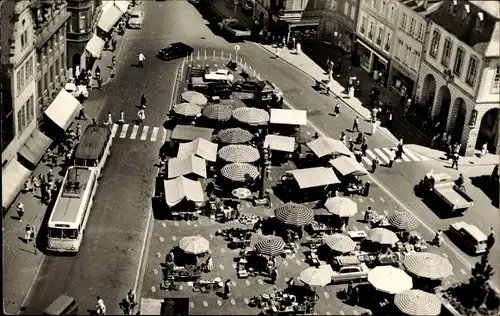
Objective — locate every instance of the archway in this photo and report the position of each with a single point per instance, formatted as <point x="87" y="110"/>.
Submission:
<point x="428" y="90"/>
<point x="442" y="106"/>
<point x="75" y="61"/>
<point x="488" y="130"/>
<point x="461" y="113"/>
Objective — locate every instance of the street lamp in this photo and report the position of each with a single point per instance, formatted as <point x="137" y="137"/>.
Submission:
<point x="236" y="49"/>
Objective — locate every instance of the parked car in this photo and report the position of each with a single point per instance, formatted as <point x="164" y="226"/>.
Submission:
<point x="136" y="19"/>
<point x="75" y="90"/>
<point x="471" y="237"/>
<point x="349" y="268"/>
<point x="220" y="89"/>
<point x="175" y="50"/>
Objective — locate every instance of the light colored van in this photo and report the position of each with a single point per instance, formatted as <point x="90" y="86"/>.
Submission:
<point x="63" y="305"/>
<point x="472" y="238"/>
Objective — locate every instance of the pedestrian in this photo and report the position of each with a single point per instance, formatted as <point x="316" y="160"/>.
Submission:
<point x="374" y="128"/>
<point x="171" y="257"/>
<point x="50" y="175"/>
<point x="227" y="290"/>
<point x="131" y="299"/>
<point x="374" y="164"/>
<point x="125" y="306"/>
<point x="316" y="136"/>
<point x="101" y="308"/>
<point x="368" y="214"/>
<point x="351" y="144"/>
<point x="113" y="62"/>
<point x="327" y="92"/>
<point x="79" y="130"/>
<point x="374" y="114"/>
<point x="270" y="267"/>
<point x="144" y="101"/>
<point x="27" y="234"/>
<point x="484" y="149"/>
<point x="491" y="239"/>
<point x="454" y="163"/>
<point x="290" y="282"/>
<point x="343" y="138"/>
<point x="99" y="83"/>
<point x="210" y="264"/>
<point x="141" y="116"/>
<point x="392" y="157"/>
<point x="141" y="59"/>
<point x="337" y="110"/>
<point x="97" y="72"/>
<point x="274" y="275"/>
<point x="349" y="291"/>
<point x="277" y="53"/>
<point x="35" y="181"/>
<point x="94" y="121"/>
<point x="434" y="140"/>
<point x="364" y="148"/>
<point x="82" y="115"/>
<point x="122" y="117"/>
<point x="28" y="185"/>
<point x="81" y="98"/>
<point x="113" y="43"/>
<point x="366" y="189"/>
<point x="389" y="120"/>
<point x="109" y="120"/>
<point x="355" y="125"/>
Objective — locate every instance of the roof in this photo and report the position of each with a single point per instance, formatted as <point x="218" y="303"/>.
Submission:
<point x="484" y="40"/>
<point x="184" y="166"/>
<point x="286" y="116"/>
<point x="188" y="132"/>
<point x="324" y="146"/>
<point x="475" y="232"/>
<point x="314" y="177"/>
<point x="280" y="143"/>
<point x="93" y="141"/>
<point x="200" y="147"/>
<point x="348" y="166"/>
<point x="182" y="188"/>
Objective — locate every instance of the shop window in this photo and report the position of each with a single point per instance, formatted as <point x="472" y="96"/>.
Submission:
<point x="73" y="26"/>
<point x="495" y="88"/>
<point x="404" y="17"/>
<point x="445" y="59"/>
<point x="375" y="4"/>
<point x="472" y="71"/>
<point x="459" y="61"/>
<point x="436" y="38"/>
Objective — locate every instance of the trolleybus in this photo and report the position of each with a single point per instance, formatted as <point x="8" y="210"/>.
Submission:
<point x="94" y="148"/>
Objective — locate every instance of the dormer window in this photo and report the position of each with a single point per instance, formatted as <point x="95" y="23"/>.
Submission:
<point x="453" y="7"/>
<point x="465" y="12"/>
<point x="479" y="22"/>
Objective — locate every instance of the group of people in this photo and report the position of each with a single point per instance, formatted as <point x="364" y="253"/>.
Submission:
<point x="127" y="304"/>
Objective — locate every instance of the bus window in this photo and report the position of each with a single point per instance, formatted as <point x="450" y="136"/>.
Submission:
<point x="69" y="233"/>
<point x="55" y="232"/>
<point x="95" y="163"/>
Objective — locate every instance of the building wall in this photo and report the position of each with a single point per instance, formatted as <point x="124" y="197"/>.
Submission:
<point x="489" y="85"/>
<point x="23" y="78"/>
<point x="338" y="20"/>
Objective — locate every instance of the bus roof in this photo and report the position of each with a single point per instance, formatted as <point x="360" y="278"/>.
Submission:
<point x="93" y="141"/>
<point x="68" y="207"/>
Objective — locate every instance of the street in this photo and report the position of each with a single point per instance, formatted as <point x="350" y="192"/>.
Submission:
<point x="111" y="253"/>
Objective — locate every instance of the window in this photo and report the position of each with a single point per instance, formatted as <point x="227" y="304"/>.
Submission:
<point x="472" y="71"/>
<point x="364" y="22"/>
<point x="417" y="60"/>
<point x="380" y="35"/>
<point x="353" y="12"/>
<point x="30" y="110"/>
<point x="496" y="81"/>
<point x="436" y="38"/>
<point x="388" y="40"/>
<point x="445" y="59"/>
<point x="333" y="5"/>
<point x="383" y="8"/>
<point x="403" y="21"/>
<point x="399" y="49"/>
<point x="412" y="26"/>
<point x="392" y="12"/>
<point x="459" y="61"/>
<point x="375" y="4"/>
<point x="24" y="39"/>
<point x="83" y="22"/>
<point x="479" y="24"/>
<point x="367" y="2"/>
<point x="371" y="30"/>
<point x="420" y="32"/>
<point x="346" y="8"/>
<point x="407" y="57"/>
<point x="21" y="119"/>
<point x="29" y="70"/>
<point x="73" y="26"/>
<point x="20" y="80"/>
<point x="453" y="7"/>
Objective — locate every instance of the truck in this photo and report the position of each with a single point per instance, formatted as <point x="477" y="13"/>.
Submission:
<point x="234" y="28"/>
<point x="442" y="187"/>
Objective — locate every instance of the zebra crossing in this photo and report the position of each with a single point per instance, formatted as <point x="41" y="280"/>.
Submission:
<point x="139" y="132"/>
<point x="383" y="155"/>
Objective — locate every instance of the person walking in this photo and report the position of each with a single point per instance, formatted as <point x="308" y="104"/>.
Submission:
<point x="113" y="61"/>
<point x="227" y="290"/>
<point x="274" y="275"/>
<point x="125" y="306"/>
<point x="131" y="299"/>
<point x="392" y="157"/>
<point x="141" y="60"/>
<point x="79" y="130"/>
<point x="141" y="116"/>
<point x="122" y="117"/>
<point x="374" y="164"/>
<point x="343" y="138"/>
<point x="113" y="43"/>
<point x="210" y="264"/>
<point x="355" y="125"/>
<point x="290" y="282"/>
<point x="484" y="150"/>
<point x="109" y="120"/>
<point x="454" y="163"/>
<point x="97" y="72"/>
<point x="144" y="101"/>
<point x="368" y="214"/>
<point x="277" y="52"/>
<point x="374" y="127"/>
<point x="28" y="233"/>
<point x="364" y="148"/>
<point x="490" y="241"/>
<point x="336" y="110"/>
<point x="20" y="211"/>
<point x="101" y="308"/>
<point x="99" y="83"/>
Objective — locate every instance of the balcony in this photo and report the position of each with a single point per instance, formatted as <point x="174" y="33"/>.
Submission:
<point x="49" y="22"/>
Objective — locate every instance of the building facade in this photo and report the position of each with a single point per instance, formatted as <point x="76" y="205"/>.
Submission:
<point x="460" y="72"/>
<point x="289" y="18"/>
<point x="408" y="45"/>
<point x="18" y="77"/>
<point x="338" y="23"/>
<point x="51" y="59"/>
<point x="376" y="27"/>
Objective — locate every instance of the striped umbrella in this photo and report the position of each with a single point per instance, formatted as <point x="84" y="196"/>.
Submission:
<point x="187" y="109"/>
<point x="270" y="246"/>
<point x="389" y="279"/>
<point x="235" y="136"/>
<point x="251" y="116"/>
<point x="294" y="214"/>
<point x="239" y="153"/>
<point x="194" y="97"/>
<point x="240" y="172"/>
<point x="428" y="265"/>
<point x="194" y="244"/>
<point x="340" y="243"/>
<point x="403" y="221"/>
<point x="218" y="112"/>
<point x="418" y="303"/>
<point x="315" y="276"/>
<point x="383" y="236"/>
<point x="341" y="206"/>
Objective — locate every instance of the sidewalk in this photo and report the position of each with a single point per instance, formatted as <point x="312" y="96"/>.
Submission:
<point x="22" y="261"/>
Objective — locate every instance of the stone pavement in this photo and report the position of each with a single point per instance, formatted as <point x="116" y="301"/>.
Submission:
<point x="22" y="261"/>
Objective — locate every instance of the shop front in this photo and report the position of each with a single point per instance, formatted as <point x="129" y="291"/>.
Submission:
<point x="370" y="60"/>
<point x="401" y="79"/>
<point x="344" y="39"/>
<point x="304" y="30"/>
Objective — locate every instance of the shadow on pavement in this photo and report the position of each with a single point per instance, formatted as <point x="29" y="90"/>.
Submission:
<point x="158" y="202"/>
<point x="488" y="186"/>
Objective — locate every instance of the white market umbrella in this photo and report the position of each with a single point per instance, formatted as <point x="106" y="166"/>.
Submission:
<point x="341" y="206"/>
<point x="418" y="303"/>
<point x="383" y="236"/>
<point x="340" y="243"/>
<point x="389" y="279"/>
<point x="194" y="245"/>
<point x="428" y="265"/>
<point x="315" y="276"/>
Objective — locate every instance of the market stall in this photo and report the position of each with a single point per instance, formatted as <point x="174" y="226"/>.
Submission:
<point x="418" y="303"/>
<point x="287" y="121"/>
<point x="199" y="147"/>
<point x="189" y="133"/>
<point x="326" y="146"/>
<point x="311" y="182"/>
<point x="194" y="97"/>
<point x="190" y="165"/>
<point x="234" y="136"/>
<point x="390" y="280"/>
<point x="239" y="153"/>
<point x="218" y="113"/>
<point x="251" y="116"/>
<point x="179" y="189"/>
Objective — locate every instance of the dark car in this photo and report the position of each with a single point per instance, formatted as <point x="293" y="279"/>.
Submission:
<point x="175" y="50"/>
<point x="247" y="85"/>
<point x="222" y="90"/>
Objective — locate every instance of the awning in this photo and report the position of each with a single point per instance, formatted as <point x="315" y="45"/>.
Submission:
<point x="324" y="146"/>
<point x="14" y="175"/>
<point x="314" y="177"/>
<point x="348" y="166"/>
<point x="122" y="5"/>
<point x="95" y="46"/>
<point x="35" y="147"/>
<point x="200" y="147"/>
<point x="182" y="188"/>
<point x="151" y="306"/>
<point x="188" y="132"/>
<point x="111" y="13"/>
<point x="291" y="117"/>
<point x="183" y="166"/>
<point x="62" y="110"/>
<point x="280" y="143"/>
<point x="381" y="58"/>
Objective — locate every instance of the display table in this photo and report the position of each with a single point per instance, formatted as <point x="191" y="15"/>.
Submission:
<point x="357" y="234"/>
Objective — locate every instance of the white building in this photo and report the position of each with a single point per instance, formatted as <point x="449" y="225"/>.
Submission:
<point x="460" y="72"/>
<point x="408" y="45"/>
<point x="375" y="32"/>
